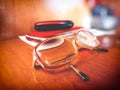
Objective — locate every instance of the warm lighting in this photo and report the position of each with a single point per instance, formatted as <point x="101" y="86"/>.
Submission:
<point x="76" y="10"/>
<point x="64" y="5"/>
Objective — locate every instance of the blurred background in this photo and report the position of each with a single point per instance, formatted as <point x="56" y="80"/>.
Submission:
<point x="17" y="17"/>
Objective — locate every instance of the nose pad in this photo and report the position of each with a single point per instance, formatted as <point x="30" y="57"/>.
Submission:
<point x="50" y="43"/>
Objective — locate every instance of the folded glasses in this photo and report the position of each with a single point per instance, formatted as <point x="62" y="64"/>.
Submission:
<point x="58" y="51"/>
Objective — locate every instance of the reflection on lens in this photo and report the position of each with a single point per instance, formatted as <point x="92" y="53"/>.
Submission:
<point x="56" y="52"/>
<point x="87" y="40"/>
<point x="50" y="43"/>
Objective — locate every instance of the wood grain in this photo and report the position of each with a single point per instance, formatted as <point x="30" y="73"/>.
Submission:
<point x="16" y="70"/>
<point x="17" y="17"/>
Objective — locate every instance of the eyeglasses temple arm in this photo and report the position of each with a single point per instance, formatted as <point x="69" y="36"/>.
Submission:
<point x="81" y="74"/>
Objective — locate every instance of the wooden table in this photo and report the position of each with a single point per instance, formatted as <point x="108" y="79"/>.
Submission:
<point x="16" y="72"/>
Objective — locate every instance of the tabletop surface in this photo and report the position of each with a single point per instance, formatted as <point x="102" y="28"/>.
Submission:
<point x="16" y="70"/>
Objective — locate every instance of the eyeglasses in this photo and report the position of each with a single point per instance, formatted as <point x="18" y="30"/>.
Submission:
<point x="58" y="51"/>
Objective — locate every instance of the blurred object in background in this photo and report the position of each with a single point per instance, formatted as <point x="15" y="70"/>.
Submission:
<point x="106" y="21"/>
<point x="103" y="17"/>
